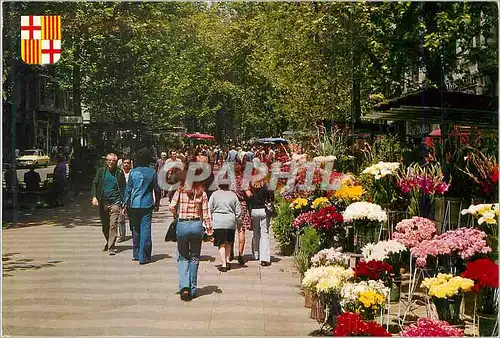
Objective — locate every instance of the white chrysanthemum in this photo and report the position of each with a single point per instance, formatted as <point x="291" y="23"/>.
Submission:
<point x="381" y="250"/>
<point x="334" y="279"/>
<point x="350" y="291"/>
<point x="364" y="211"/>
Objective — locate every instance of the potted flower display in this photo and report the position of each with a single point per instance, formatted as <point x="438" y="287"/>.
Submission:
<point x="389" y="252"/>
<point x="446" y="292"/>
<point x="366" y="297"/>
<point x="367" y="219"/>
<point x="328" y="291"/>
<point x="484" y="273"/>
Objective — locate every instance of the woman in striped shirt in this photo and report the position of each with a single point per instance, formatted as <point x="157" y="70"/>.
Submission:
<point x="190" y="207"/>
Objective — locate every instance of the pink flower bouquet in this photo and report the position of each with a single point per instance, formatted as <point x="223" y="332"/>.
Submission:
<point x="462" y="242"/>
<point x="410" y="232"/>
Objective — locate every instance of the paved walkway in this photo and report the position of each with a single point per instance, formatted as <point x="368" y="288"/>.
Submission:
<point x="57" y="281"/>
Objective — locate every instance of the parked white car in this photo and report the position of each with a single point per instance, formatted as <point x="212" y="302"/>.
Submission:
<point x="33" y="157"/>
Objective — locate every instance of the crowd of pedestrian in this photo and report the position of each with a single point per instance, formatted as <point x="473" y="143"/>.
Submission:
<point x="132" y="192"/>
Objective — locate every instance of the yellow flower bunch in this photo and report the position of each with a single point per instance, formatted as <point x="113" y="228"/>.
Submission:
<point x="320" y="202"/>
<point x="447" y="286"/>
<point x="350" y="192"/>
<point x="298" y="203"/>
<point x="371" y="299"/>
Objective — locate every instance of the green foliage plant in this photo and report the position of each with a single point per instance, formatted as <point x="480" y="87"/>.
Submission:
<point x="282" y="225"/>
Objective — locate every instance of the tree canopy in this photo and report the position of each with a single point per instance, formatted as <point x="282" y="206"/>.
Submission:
<point x="253" y="69"/>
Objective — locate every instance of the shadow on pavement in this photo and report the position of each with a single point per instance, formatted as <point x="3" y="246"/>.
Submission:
<point x="159" y="257"/>
<point x="75" y="213"/>
<point x="12" y="264"/>
<point x="207" y="290"/>
<point x="121" y="248"/>
<point x="205" y="258"/>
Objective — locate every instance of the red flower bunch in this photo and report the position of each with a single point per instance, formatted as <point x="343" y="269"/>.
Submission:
<point x="373" y="270"/>
<point x="353" y="324"/>
<point x="327" y="218"/>
<point x="484" y="272"/>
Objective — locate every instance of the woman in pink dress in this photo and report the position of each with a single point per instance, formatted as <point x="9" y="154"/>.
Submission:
<point x="246" y="221"/>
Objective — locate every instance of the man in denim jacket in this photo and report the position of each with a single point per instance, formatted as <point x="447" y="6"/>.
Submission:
<point x="142" y="182"/>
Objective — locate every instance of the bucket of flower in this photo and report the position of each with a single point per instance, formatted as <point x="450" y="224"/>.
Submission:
<point x="324" y="281"/>
<point x="353" y="324"/>
<point x="446" y="293"/>
<point x="326" y="257"/>
<point x="484" y="273"/>
<point x="368" y="220"/>
<point x="365" y="297"/>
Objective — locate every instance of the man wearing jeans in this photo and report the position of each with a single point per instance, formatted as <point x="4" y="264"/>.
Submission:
<point x="139" y="201"/>
<point x="107" y="193"/>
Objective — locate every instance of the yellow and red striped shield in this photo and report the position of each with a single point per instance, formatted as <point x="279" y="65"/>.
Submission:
<point x="41" y="39"/>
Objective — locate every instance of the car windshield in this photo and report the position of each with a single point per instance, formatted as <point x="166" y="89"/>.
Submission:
<point x="29" y="152"/>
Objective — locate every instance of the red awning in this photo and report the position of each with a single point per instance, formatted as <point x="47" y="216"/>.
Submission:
<point x="199" y="136"/>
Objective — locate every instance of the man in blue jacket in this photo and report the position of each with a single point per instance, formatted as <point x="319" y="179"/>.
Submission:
<point x="139" y="202"/>
<point x="107" y="194"/>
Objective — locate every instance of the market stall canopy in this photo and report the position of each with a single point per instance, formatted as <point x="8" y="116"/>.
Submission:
<point x="199" y="136"/>
<point x="273" y="140"/>
<point x="433" y="106"/>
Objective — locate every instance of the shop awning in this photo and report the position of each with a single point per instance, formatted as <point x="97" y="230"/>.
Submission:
<point x="432" y="106"/>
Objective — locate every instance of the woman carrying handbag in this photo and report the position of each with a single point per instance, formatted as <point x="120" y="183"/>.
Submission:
<point x="190" y="209"/>
<point x="261" y="201"/>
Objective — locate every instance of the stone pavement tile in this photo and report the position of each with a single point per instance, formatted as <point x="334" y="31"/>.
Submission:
<point x="237" y="302"/>
<point x="230" y="327"/>
<point x="182" y="327"/>
<point x="91" y="286"/>
<point x="298" y="328"/>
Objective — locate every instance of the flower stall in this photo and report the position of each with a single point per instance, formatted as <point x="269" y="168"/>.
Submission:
<point x="365" y="272"/>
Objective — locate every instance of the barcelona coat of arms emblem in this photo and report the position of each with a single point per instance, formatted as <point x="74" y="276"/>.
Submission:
<point x="41" y="39"/>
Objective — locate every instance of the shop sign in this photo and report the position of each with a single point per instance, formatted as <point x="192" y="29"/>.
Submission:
<point x="70" y="119"/>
